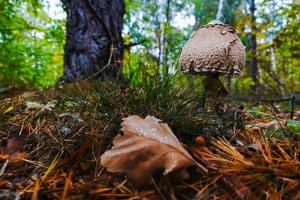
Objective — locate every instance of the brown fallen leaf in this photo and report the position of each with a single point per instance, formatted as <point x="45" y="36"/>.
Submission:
<point x="146" y="146"/>
<point x="260" y="126"/>
<point x="15" y="144"/>
<point x="12" y="153"/>
<point x="14" y="150"/>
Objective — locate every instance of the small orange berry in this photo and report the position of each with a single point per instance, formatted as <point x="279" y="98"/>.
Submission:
<point x="200" y="140"/>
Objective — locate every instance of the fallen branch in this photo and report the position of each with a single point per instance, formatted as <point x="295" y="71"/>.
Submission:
<point x="6" y="89"/>
<point x="291" y="99"/>
<point x="128" y="46"/>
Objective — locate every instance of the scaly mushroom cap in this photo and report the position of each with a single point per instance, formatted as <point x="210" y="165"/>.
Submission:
<point x="214" y="47"/>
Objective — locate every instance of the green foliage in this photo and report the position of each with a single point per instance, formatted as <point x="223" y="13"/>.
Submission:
<point x="31" y="45"/>
<point x="155" y="26"/>
<point x="206" y="10"/>
<point x="294" y="125"/>
<point x="277" y="45"/>
<point x="243" y="84"/>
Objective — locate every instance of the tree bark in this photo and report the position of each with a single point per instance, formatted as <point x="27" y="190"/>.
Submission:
<point x="94" y="45"/>
<point x="253" y="69"/>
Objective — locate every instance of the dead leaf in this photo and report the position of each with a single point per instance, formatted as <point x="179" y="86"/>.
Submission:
<point x="147" y="146"/>
<point x="15" y="144"/>
<point x="12" y="153"/>
<point x="296" y="115"/>
<point x="259" y="126"/>
<point x="74" y="116"/>
<point x="36" y="105"/>
<point x="14" y="150"/>
<point x="283" y="115"/>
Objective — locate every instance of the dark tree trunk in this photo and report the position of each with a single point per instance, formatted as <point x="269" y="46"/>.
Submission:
<point x="253" y="69"/>
<point x="94" y="45"/>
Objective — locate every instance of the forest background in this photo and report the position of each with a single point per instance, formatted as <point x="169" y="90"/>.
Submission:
<point x="53" y="135"/>
<point x="32" y="39"/>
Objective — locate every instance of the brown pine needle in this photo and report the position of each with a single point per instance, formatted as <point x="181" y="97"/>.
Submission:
<point x="68" y="185"/>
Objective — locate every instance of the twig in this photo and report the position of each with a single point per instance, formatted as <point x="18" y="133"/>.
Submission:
<point x="234" y="125"/>
<point x="68" y="185"/>
<point x="279" y="122"/>
<point x="128" y="46"/>
<point x="2" y="170"/>
<point x="157" y="188"/>
<point x="291" y="99"/>
<point x="276" y="100"/>
<point x="293" y="107"/>
<point x="107" y="64"/>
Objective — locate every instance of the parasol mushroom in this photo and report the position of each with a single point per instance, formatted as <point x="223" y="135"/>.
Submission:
<point x="213" y="50"/>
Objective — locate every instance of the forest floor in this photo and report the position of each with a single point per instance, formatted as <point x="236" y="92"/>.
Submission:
<point x="52" y="141"/>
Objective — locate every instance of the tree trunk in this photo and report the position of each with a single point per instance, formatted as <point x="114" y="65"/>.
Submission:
<point x="167" y="40"/>
<point x="94" y="45"/>
<point x="220" y="15"/>
<point x="161" y="39"/>
<point x="253" y="69"/>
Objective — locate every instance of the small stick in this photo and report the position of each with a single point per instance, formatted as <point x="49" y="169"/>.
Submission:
<point x="276" y="100"/>
<point x="3" y="168"/>
<point x="293" y="107"/>
<point x="273" y="106"/>
<point x="292" y="99"/>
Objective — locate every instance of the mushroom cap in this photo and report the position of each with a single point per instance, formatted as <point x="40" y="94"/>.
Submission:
<point x="213" y="48"/>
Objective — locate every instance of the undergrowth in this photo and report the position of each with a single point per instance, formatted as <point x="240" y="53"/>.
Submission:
<point x="56" y="150"/>
<point x="109" y="102"/>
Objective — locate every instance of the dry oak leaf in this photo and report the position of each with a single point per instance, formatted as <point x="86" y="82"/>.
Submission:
<point x="146" y="146"/>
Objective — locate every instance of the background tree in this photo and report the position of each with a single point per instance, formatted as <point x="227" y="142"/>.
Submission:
<point x="156" y="24"/>
<point x="94" y="45"/>
<point x="253" y="69"/>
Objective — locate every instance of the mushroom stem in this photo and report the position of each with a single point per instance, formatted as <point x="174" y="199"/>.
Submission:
<point x="213" y="90"/>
